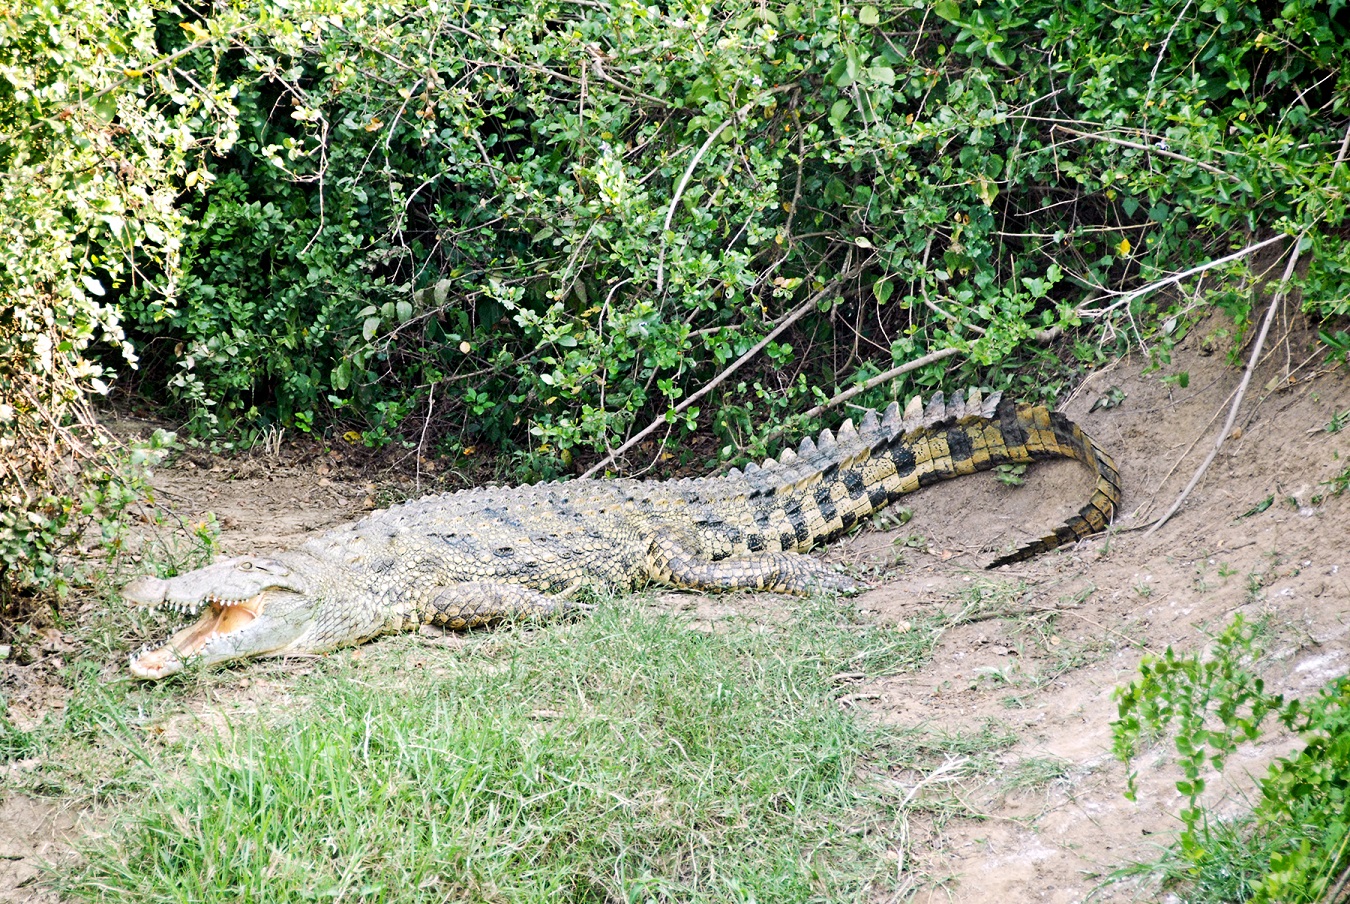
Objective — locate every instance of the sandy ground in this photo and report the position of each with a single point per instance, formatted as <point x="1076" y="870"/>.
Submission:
<point x="1060" y="634"/>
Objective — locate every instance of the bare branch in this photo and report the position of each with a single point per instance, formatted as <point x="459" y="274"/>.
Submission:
<point x="797" y="313"/>
<point x="930" y="358"/>
<point x="1161" y="152"/>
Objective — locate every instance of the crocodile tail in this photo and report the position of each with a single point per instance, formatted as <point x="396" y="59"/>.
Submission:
<point x="830" y="483"/>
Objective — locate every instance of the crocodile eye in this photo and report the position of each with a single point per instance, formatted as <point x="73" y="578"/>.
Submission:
<point x="245" y="566"/>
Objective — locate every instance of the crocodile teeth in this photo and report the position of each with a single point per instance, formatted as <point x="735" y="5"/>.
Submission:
<point x="808" y="447"/>
<point x="847" y="429"/>
<point x="826" y="441"/>
<point x="892" y="416"/>
<point x="869" y="421"/>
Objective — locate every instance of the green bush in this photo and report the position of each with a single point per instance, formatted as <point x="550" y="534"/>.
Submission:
<point x="87" y="204"/>
<point x="563" y="218"/>
<point x="1294" y="844"/>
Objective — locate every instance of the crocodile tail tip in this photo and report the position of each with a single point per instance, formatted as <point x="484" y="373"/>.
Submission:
<point x="1091" y="518"/>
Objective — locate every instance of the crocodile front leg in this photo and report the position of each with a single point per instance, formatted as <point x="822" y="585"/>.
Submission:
<point x="671" y="562"/>
<point x="475" y="603"/>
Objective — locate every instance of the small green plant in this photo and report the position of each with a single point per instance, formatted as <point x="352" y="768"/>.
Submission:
<point x="1109" y="399"/>
<point x="1339" y="483"/>
<point x="892" y="517"/>
<point x="1338" y="344"/>
<point x="1179" y="380"/>
<point x="1011" y="475"/>
<point x="1259" y="507"/>
<point x="1034" y="773"/>
<point x="1294" y="844"/>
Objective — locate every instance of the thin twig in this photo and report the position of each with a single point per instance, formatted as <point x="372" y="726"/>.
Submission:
<point x="422" y="440"/>
<point x="598" y="69"/>
<point x="689" y="172"/>
<point x="797" y="313"/>
<point x="1109" y="139"/>
<point x="1129" y="296"/>
<point x="891" y="374"/>
<point x="1162" y="51"/>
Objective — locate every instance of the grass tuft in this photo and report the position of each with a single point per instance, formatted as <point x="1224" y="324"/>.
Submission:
<point x="626" y="757"/>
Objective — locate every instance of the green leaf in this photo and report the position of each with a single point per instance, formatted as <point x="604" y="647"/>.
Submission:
<point x="947" y="9"/>
<point x="868" y="16"/>
<point x="882" y="289"/>
<point x="883" y="74"/>
<point x="987" y="190"/>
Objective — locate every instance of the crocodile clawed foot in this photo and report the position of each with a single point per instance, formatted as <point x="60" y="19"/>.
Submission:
<point x="836" y="582"/>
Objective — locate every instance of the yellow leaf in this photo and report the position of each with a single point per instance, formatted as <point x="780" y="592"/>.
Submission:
<point x="469" y="450"/>
<point x="352" y="436"/>
<point x="1123" y="249"/>
<point x="195" y="30"/>
<point x="373" y="125"/>
<point x="133" y="73"/>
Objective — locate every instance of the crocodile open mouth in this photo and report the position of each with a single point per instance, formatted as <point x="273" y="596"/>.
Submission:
<point x="220" y="618"/>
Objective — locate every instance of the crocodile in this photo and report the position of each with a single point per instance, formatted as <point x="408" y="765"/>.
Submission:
<point x="475" y="556"/>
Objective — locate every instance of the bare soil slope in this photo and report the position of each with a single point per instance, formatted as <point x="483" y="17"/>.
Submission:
<point x="1037" y="649"/>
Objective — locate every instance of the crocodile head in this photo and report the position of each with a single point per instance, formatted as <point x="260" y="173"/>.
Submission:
<point x="249" y="606"/>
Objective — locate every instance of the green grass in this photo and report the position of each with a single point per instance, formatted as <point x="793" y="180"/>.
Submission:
<point x="623" y="757"/>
